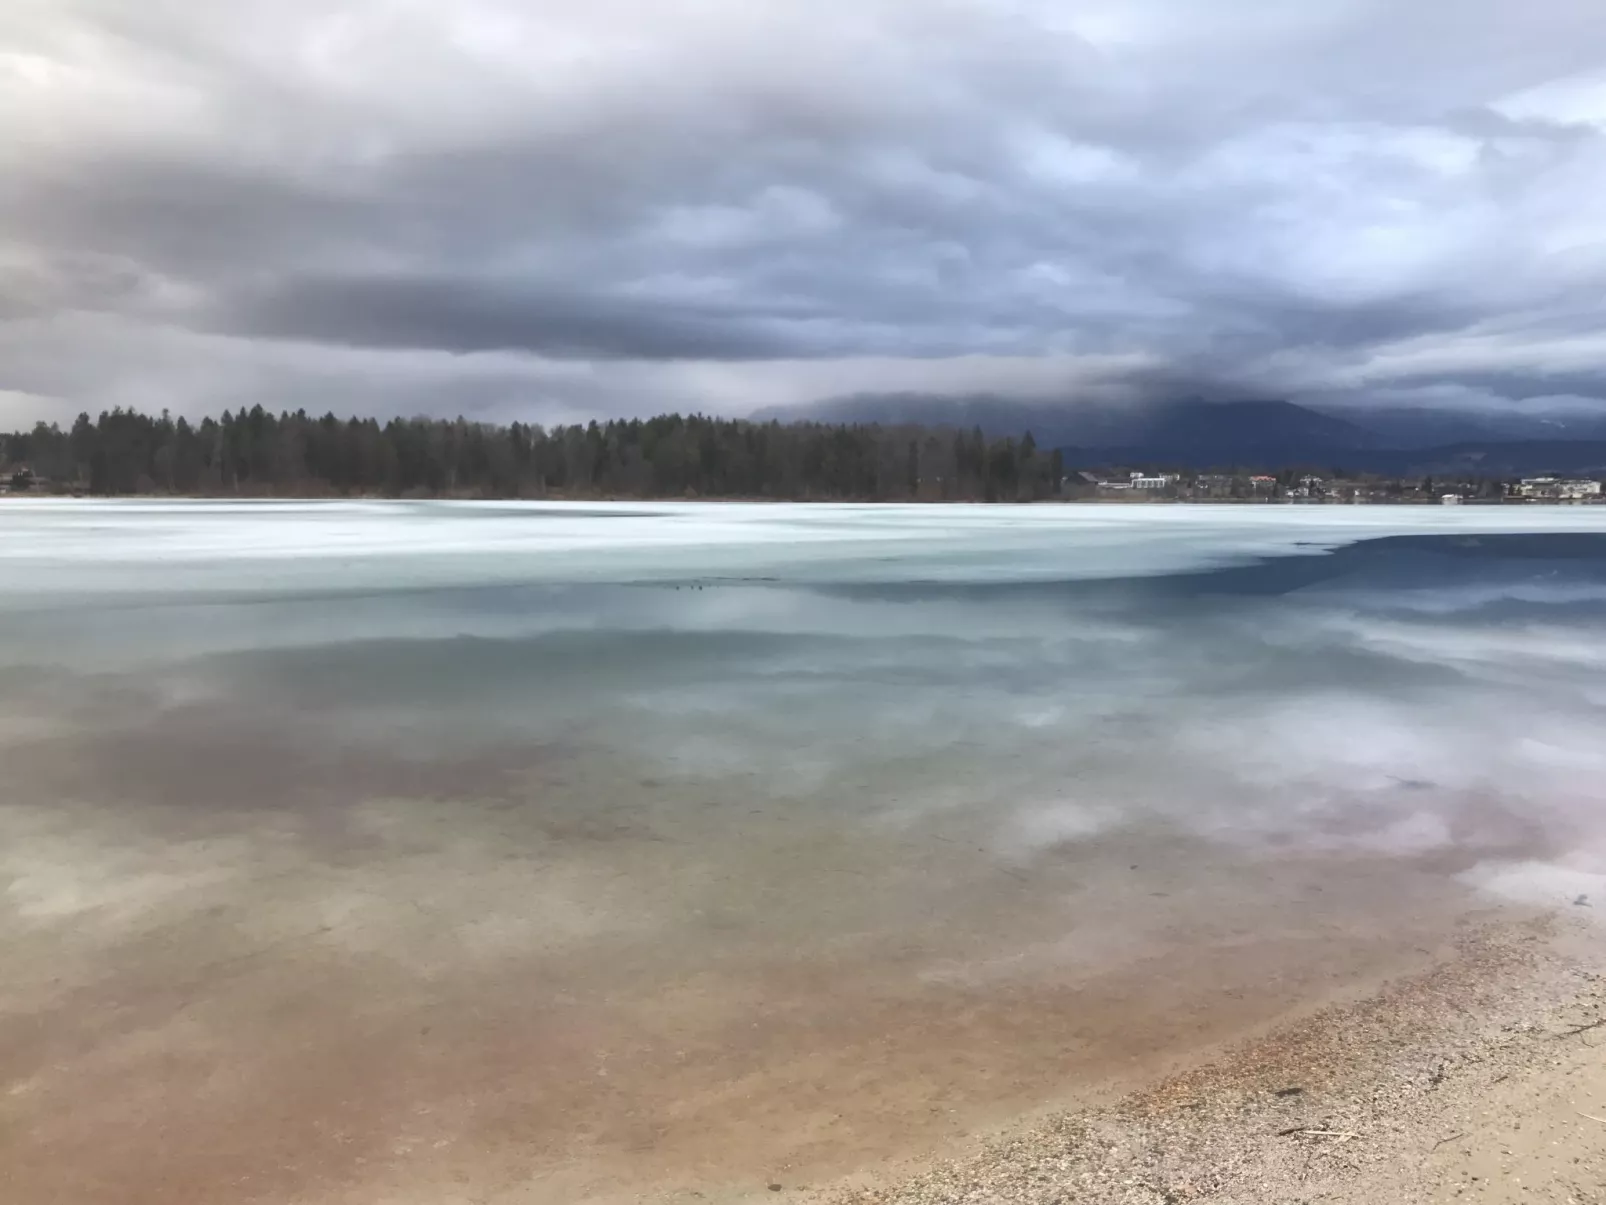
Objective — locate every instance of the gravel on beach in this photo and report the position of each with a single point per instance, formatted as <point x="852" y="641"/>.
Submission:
<point x="1477" y="1081"/>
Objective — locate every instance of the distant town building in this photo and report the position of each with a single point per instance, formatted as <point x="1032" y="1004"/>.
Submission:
<point x="1141" y="481"/>
<point x="18" y="479"/>
<point x="1556" y="489"/>
<point x="1450" y="499"/>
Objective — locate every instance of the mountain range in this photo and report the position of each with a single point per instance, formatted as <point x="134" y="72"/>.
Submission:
<point x="1252" y="434"/>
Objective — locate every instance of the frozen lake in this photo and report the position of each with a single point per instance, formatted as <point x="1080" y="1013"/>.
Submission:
<point x="352" y="849"/>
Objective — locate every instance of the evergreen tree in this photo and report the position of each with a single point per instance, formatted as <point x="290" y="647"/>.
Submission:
<point x="257" y="453"/>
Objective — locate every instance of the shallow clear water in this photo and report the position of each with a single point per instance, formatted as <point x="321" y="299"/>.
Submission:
<point x="390" y="832"/>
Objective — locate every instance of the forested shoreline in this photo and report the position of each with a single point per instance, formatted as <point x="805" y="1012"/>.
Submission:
<point x="255" y="453"/>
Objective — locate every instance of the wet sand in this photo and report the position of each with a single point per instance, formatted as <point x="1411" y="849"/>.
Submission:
<point x="1481" y="1079"/>
<point x="367" y="987"/>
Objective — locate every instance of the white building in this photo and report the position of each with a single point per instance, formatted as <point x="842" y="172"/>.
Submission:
<point x="1141" y="481"/>
<point x="1557" y="489"/>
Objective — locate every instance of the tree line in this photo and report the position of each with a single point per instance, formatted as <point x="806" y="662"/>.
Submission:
<point x="257" y="453"/>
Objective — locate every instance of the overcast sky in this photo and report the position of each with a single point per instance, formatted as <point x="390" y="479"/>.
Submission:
<point x="551" y="209"/>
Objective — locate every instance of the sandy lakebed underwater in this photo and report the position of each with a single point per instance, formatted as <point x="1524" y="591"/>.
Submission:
<point x="451" y="852"/>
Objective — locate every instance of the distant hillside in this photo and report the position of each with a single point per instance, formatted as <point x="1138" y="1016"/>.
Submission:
<point x="1267" y="430"/>
<point x="1505" y="458"/>
<point x="1252" y="434"/>
<point x="1515" y="458"/>
<point x="1277" y="433"/>
<point x="1414" y="427"/>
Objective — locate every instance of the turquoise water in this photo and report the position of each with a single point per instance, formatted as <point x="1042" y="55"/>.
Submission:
<point x="1052" y="652"/>
<point x="703" y="822"/>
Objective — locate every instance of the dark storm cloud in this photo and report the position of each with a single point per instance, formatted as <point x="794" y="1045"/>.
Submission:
<point x="628" y="205"/>
<point x="459" y="316"/>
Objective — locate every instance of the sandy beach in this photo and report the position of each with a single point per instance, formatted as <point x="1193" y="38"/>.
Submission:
<point x="1481" y="1080"/>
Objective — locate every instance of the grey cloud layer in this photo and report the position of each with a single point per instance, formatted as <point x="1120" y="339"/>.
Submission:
<point x="629" y="205"/>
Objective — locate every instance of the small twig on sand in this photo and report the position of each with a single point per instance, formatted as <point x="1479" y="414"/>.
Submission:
<point x="1578" y="1029"/>
<point x="1591" y="1117"/>
<point x="1309" y="1132"/>
<point x="1451" y="1138"/>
